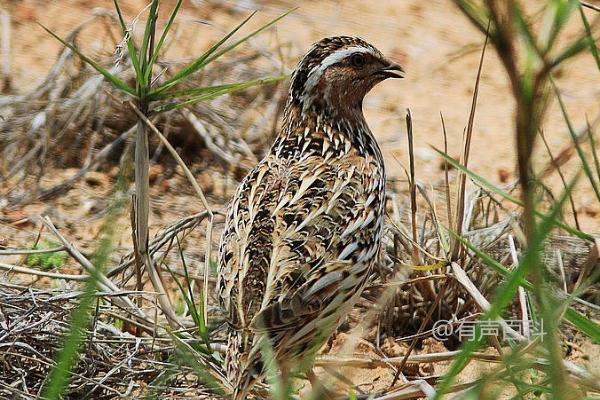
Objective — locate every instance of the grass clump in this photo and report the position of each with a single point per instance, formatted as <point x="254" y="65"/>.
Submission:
<point x="51" y="260"/>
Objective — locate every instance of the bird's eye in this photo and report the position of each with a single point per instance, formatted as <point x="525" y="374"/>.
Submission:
<point x="358" y="60"/>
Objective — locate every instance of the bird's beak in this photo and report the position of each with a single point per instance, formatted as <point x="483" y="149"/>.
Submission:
<point x="388" y="71"/>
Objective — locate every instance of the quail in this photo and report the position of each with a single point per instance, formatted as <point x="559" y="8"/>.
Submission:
<point x="304" y="227"/>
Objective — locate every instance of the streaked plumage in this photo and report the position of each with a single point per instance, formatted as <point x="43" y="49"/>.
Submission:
<point x="304" y="227"/>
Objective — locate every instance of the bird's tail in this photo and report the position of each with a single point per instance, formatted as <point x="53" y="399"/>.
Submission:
<point x="243" y="367"/>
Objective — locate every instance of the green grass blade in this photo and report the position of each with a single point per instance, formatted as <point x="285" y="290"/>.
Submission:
<point x="148" y="33"/>
<point x="247" y="37"/>
<point x="594" y="150"/>
<point x="159" y="385"/>
<point x="487" y="259"/>
<point x="197" y="314"/>
<point x="524" y="29"/>
<point x="491" y="187"/>
<point x="59" y="376"/>
<point x="130" y="44"/>
<point x="119" y="84"/>
<point x="189" y="301"/>
<point x="576" y="47"/>
<point x="590" y="37"/>
<point x="198" y="91"/>
<point x="190" y="305"/>
<point x="188" y="356"/>
<point x="162" y="39"/>
<point x="120" y="15"/>
<point x="195" y="65"/>
<point x="584" y="324"/>
<point x="557" y="14"/>
<point x="584" y="162"/>
<point x="478" y="14"/>
<point x="213" y="54"/>
<point x="214" y="94"/>
<point x="484" y="182"/>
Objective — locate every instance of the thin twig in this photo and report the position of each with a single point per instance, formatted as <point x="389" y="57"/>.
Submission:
<point x="446" y="178"/>
<point x="30" y="271"/>
<point x="5" y="50"/>
<point x="481" y="301"/>
<point x="15" y="252"/>
<point x="522" y="293"/>
<point x="562" y="178"/>
<point x="375" y="362"/>
<point x="456" y="247"/>
<point x="565" y="154"/>
<point x="590" y="6"/>
<point x="413" y="187"/>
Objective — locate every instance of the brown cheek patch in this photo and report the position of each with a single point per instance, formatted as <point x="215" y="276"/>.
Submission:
<point x="341" y="77"/>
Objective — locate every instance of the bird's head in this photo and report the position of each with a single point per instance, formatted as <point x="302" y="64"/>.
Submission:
<point x="337" y="73"/>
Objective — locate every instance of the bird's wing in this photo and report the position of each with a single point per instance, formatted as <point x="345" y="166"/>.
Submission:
<point x="299" y="239"/>
<point x="246" y="243"/>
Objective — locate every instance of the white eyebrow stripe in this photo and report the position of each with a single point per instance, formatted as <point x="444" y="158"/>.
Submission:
<point x="315" y="74"/>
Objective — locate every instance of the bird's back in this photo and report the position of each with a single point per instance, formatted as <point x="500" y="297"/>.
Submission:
<point x="300" y="238"/>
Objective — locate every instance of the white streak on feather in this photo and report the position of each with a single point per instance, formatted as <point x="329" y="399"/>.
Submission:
<point x="310" y="218"/>
<point x="325" y="147"/>
<point x="253" y="188"/>
<point x="370" y="217"/>
<point x="351" y="228"/>
<point x="282" y="203"/>
<point x="306" y="182"/>
<point x="322" y="283"/>
<point x="349" y="249"/>
<point x="305" y="146"/>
